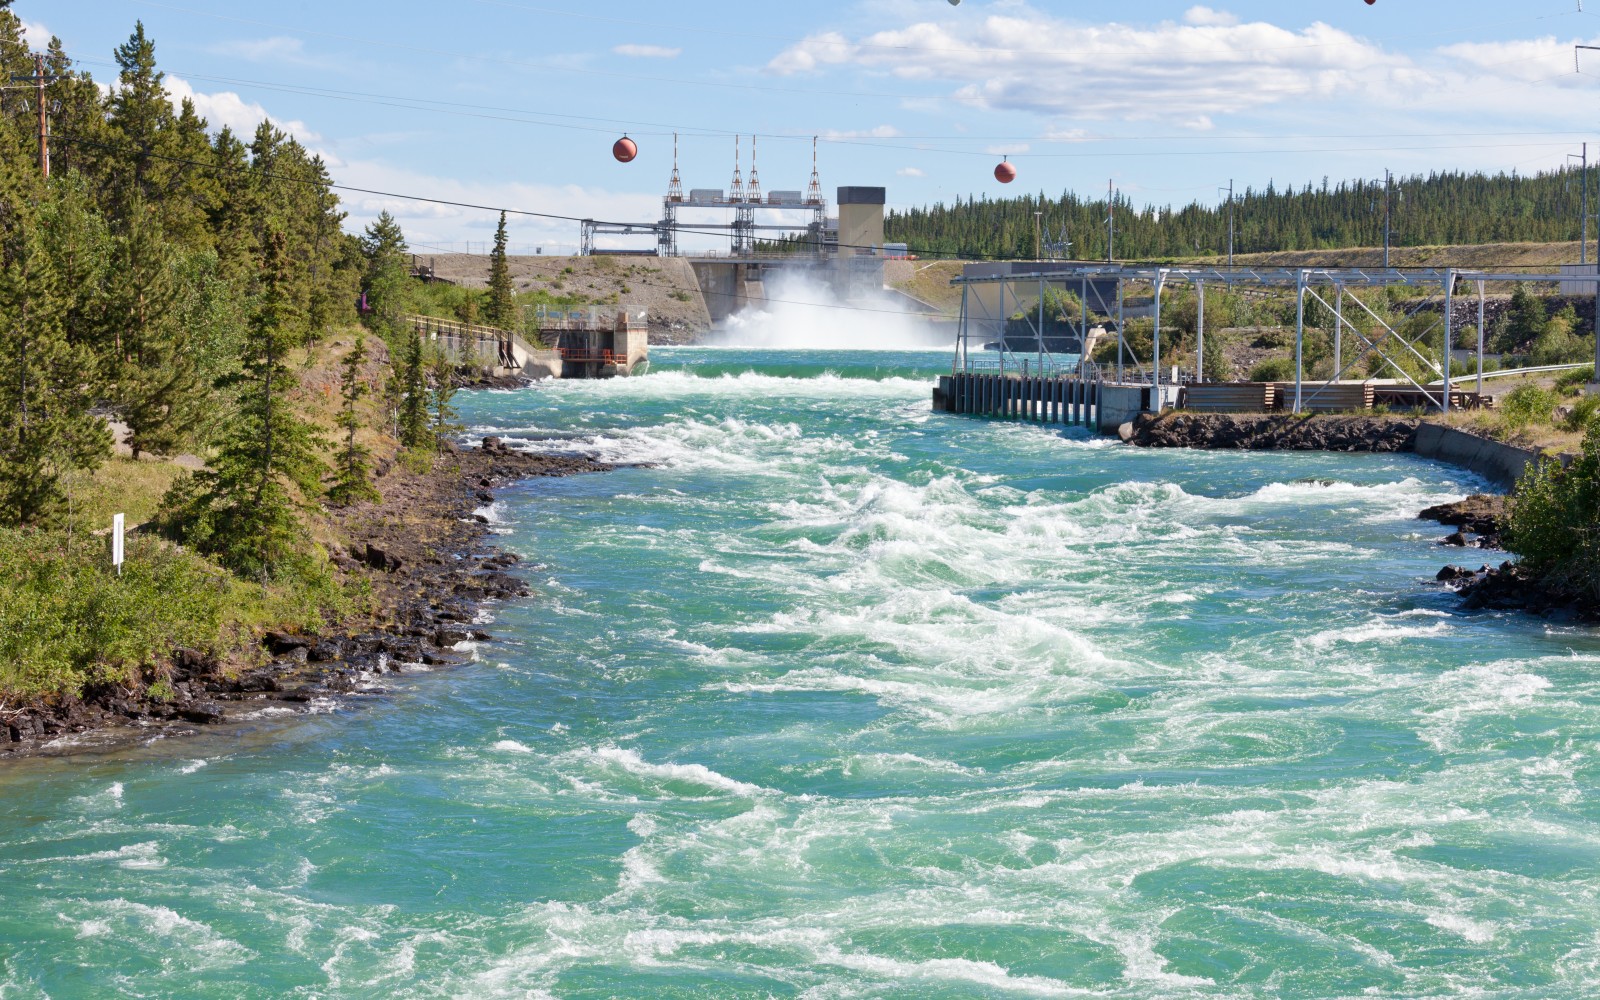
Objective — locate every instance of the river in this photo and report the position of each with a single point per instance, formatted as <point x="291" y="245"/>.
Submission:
<point x="837" y="697"/>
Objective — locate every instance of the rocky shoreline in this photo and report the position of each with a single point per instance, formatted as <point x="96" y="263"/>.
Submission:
<point x="1223" y="431"/>
<point x="431" y="567"/>
<point x="1479" y="522"/>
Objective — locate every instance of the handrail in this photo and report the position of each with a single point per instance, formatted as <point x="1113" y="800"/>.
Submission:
<point x="582" y="355"/>
<point x="1508" y="372"/>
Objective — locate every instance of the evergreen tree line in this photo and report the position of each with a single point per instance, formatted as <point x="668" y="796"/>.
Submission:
<point x="1447" y="208"/>
<point x="164" y="279"/>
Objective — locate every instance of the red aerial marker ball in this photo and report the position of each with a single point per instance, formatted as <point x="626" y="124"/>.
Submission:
<point x="1371" y="2"/>
<point x="1005" y="173"/>
<point x="625" y="150"/>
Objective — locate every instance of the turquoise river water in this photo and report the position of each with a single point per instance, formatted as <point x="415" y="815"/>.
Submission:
<point x="842" y="698"/>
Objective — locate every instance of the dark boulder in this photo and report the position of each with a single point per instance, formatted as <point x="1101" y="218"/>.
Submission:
<point x="328" y="651"/>
<point x="205" y="713"/>
<point x="381" y="559"/>
<point x="280" y="643"/>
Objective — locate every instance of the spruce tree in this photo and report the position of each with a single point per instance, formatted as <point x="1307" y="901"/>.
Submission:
<point x="444" y="390"/>
<point x="414" y="430"/>
<point x="387" y="281"/>
<point x="46" y="429"/>
<point x="502" y="303"/>
<point x="1525" y="320"/>
<point x="140" y="115"/>
<point x="247" y="509"/>
<point x="150" y="370"/>
<point x="352" y="483"/>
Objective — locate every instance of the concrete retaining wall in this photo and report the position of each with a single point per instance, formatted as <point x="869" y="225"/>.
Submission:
<point x="1502" y="464"/>
<point x="1120" y="404"/>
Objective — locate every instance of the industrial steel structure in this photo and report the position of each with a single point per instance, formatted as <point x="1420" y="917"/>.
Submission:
<point x="993" y="296"/>
<point x="745" y="199"/>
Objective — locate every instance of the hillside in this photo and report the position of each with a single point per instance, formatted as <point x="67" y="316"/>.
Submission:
<point x="1518" y="256"/>
<point x="665" y="288"/>
<point x="926" y="281"/>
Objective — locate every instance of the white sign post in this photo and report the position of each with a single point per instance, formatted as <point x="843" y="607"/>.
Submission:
<point x="116" y="542"/>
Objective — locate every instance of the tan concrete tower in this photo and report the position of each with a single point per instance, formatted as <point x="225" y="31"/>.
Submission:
<point x="861" y="219"/>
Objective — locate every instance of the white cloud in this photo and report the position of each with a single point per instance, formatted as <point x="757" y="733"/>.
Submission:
<point x="226" y="108"/>
<point x="427" y="223"/>
<point x="1036" y="63"/>
<point x="37" y="35"/>
<point x="647" y="51"/>
<point x="911" y="172"/>
<point x="877" y="132"/>
<point x="1205" y="17"/>
<point x="808" y="55"/>
<point x="275" y="51"/>
<point x="1210" y="68"/>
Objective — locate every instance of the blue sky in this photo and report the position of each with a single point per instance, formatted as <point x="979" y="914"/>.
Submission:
<point x="517" y="102"/>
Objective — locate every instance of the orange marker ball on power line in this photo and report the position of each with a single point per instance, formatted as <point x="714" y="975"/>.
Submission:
<point x="625" y="150"/>
<point x="1006" y="172"/>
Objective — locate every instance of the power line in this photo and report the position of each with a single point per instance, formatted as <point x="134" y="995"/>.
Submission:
<point x="523" y="63"/>
<point x="77" y="140"/>
<point x="470" y="110"/>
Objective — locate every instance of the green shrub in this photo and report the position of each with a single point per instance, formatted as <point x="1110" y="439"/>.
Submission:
<point x="1558" y="344"/>
<point x="1554" y="521"/>
<point x="1138" y="343"/>
<point x="1273" y="370"/>
<point x="1581" y="413"/>
<point x="1527" y="404"/>
<point x="1568" y="383"/>
<point x="1524" y="321"/>
<point x="67" y="619"/>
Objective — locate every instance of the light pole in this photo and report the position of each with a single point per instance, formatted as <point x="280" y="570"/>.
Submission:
<point x="1388" y="215"/>
<point x="1111" y="220"/>
<point x="1583" y="178"/>
<point x="1578" y="64"/>
<point x="1229" y="189"/>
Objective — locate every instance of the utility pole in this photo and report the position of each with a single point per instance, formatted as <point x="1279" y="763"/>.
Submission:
<point x="1583" y="238"/>
<point x="1111" y="219"/>
<point x="1038" y="249"/>
<point x="1230" y="222"/>
<point x="1578" y="60"/>
<point x="1388" y="213"/>
<point x="41" y="81"/>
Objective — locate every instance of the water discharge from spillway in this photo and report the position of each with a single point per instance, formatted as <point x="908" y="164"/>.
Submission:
<point x="825" y="695"/>
<point x="804" y="312"/>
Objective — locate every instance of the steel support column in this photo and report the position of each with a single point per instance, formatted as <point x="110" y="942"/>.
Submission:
<point x="1155" y="342"/>
<point x="1299" y="339"/>
<point x="1338" y="331"/>
<point x="1449" y="325"/>
<point x="1122" y="340"/>
<point x="1480" y="337"/>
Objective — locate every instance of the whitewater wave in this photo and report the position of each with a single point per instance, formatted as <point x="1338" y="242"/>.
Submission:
<point x="803" y="312"/>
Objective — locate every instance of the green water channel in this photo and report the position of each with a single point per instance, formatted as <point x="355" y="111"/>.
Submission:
<point x="842" y="698"/>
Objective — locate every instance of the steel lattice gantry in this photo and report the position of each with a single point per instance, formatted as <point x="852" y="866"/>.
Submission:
<point x="985" y="290"/>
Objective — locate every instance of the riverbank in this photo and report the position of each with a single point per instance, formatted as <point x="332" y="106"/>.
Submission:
<point x="426" y="558"/>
